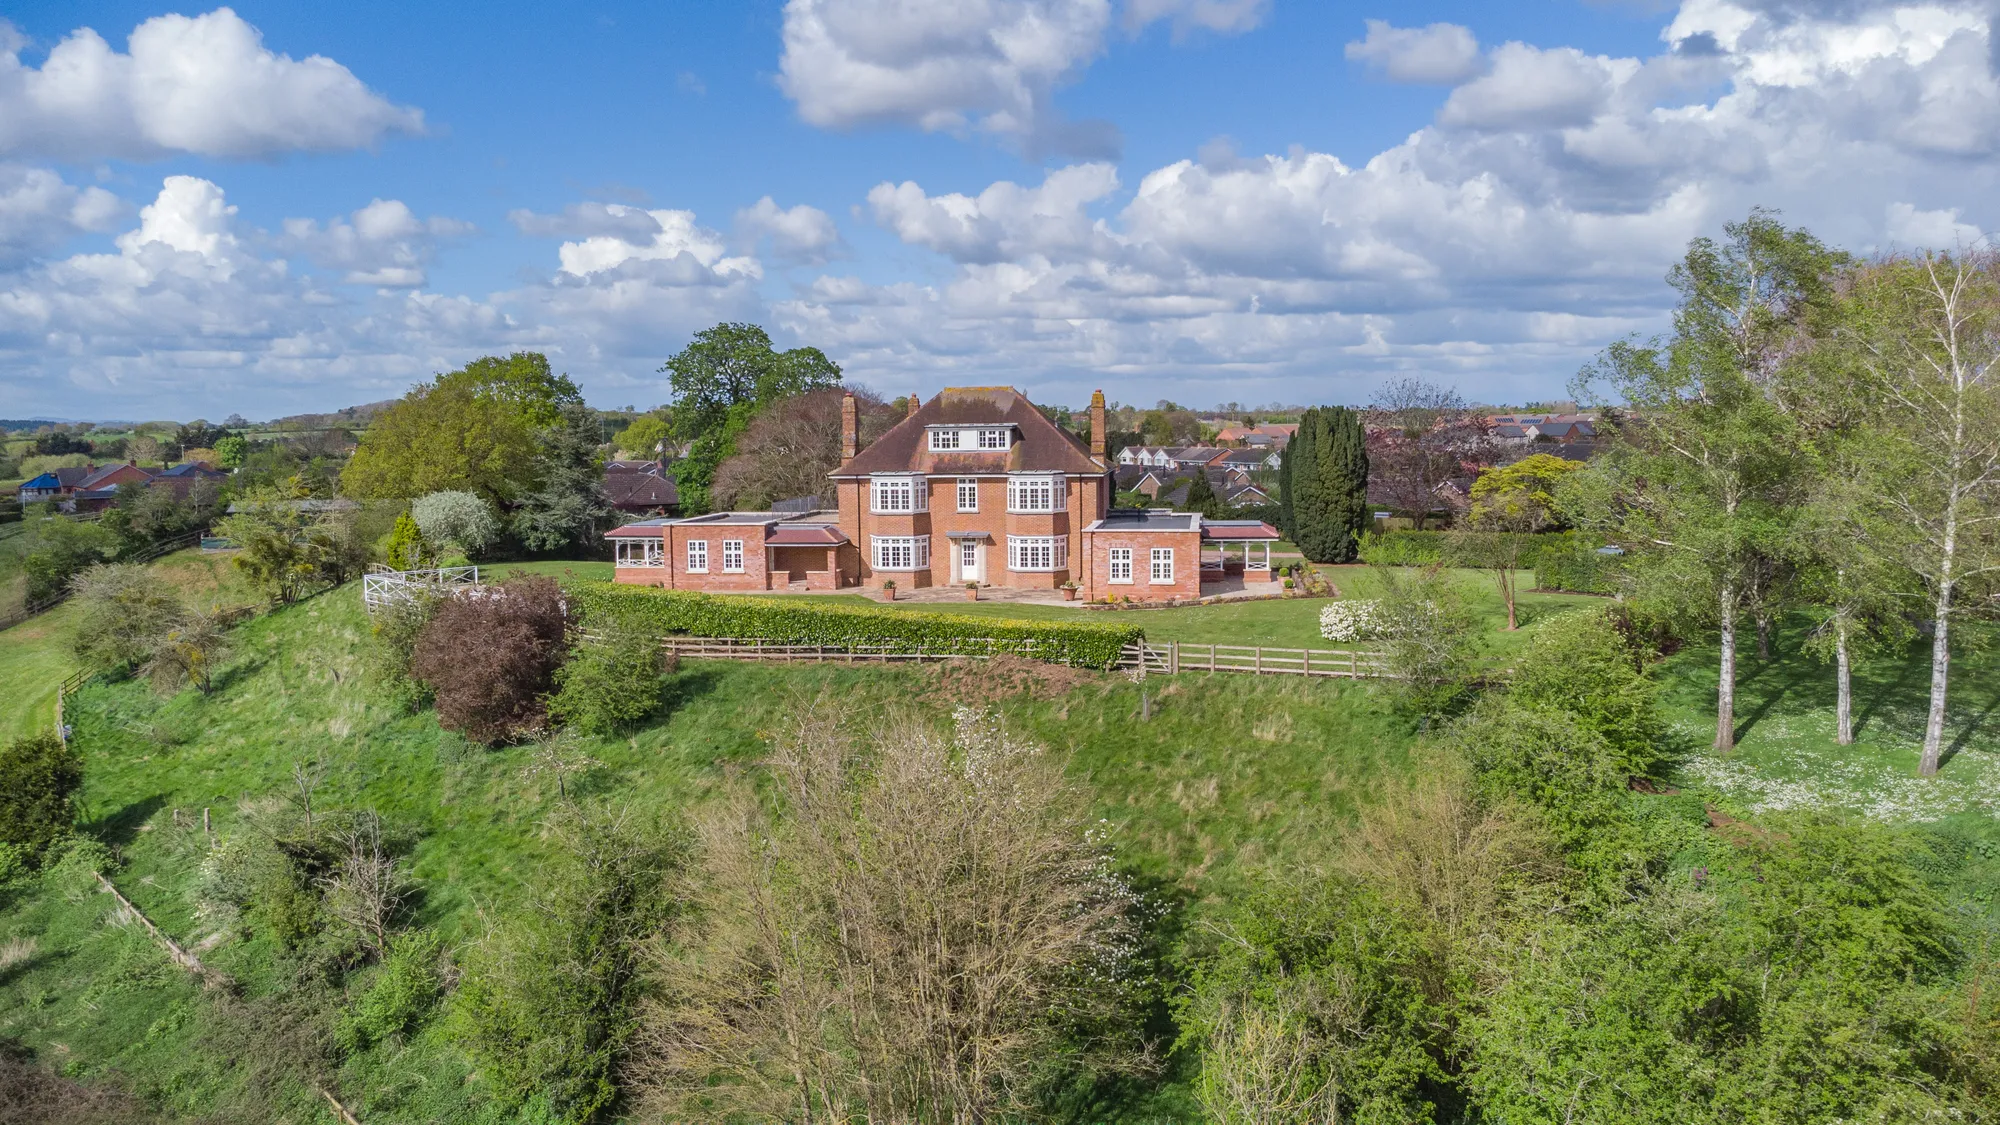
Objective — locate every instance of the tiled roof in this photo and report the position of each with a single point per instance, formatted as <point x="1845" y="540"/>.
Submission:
<point x="640" y="490"/>
<point x="1040" y="445"/>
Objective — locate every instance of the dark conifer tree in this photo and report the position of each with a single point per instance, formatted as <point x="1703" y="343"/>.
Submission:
<point x="1328" y="497"/>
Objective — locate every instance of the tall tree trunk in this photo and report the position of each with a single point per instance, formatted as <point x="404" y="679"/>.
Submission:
<point x="1725" y="690"/>
<point x="1507" y="592"/>
<point x="1763" y="635"/>
<point x="1940" y="675"/>
<point x="1844" y="706"/>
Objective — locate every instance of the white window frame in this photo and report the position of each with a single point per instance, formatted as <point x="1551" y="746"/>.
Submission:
<point x="944" y="439"/>
<point x="641" y="552"/>
<point x="968" y="494"/>
<point x="887" y="552"/>
<point x="732" y="547"/>
<point x="884" y="491"/>
<point x="1023" y="491"/>
<point x="697" y="556"/>
<point x="1154" y="559"/>
<point x="1023" y="552"/>
<point x="996" y="439"/>
<point x="1120" y="563"/>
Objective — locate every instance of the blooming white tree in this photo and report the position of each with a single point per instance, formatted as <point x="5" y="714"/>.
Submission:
<point x="460" y="519"/>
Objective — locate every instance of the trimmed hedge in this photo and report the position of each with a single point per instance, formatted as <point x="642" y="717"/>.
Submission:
<point x="795" y="621"/>
<point x="1579" y="569"/>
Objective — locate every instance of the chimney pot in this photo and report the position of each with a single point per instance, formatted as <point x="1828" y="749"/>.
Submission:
<point x="850" y="427"/>
<point x="1097" y="424"/>
<point x="913" y="404"/>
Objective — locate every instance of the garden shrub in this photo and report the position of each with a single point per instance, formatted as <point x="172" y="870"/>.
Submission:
<point x="456" y="519"/>
<point x="1355" y="620"/>
<point x="794" y="621"/>
<point x="124" y="610"/>
<point x="1432" y="639"/>
<point x="39" y="777"/>
<point x="402" y="992"/>
<point x="60" y="550"/>
<point x="396" y="625"/>
<point x="1575" y="566"/>
<point x="1403" y="548"/>
<point x="546" y="1003"/>
<point x="610" y="683"/>
<point x="1580" y="663"/>
<point x="490" y="657"/>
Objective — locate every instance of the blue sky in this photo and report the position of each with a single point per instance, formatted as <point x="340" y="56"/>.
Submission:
<point x="285" y="207"/>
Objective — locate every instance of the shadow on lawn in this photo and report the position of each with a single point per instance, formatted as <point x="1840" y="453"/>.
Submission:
<point x="120" y="828"/>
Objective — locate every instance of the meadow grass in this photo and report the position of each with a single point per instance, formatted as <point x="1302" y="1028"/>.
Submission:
<point x="1231" y="778"/>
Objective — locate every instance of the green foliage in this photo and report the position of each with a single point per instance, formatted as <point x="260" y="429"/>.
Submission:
<point x="395" y="628"/>
<point x="610" y="684"/>
<point x="1581" y="663"/>
<point x="1201" y="498"/>
<point x="1575" y="565"/>
<point x="288" y="551"/>
<point x="568" y="507"/>
<point x="545" y="1004"/>
<point x="796" y="621"/>
<point x="1431" y="639"/>
<point x="523" y="382"/>
<point x="445" y="436"/>
<point x="720" y="380"/>
<point x="401" y="993"/>
<point x="1326" y="490"/>
<point x="647" y="436"/>
<point x="1319" y="1007"/>
<point x="232" y="451"/>
<point x="458" y="519"/>
<point x="123" y="611"/>
<point x="1404" y="547"/>
<point x="39" y="777"/>
<point x="1520" y="497"/>
<point x="62" y="549"/>
<point x="406" y="548"/>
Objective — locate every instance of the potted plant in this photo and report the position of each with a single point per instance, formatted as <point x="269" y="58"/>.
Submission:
<point x="889" y="590"/>
<point x="1069" y="590"/>
<point x="1288" y="583"/>
<point x="972" y="591"/>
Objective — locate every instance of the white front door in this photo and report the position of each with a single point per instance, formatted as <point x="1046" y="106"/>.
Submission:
<point x="968" y="561"/>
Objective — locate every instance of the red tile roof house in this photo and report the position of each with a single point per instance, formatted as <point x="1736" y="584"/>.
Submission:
<point x="976" y="485"/>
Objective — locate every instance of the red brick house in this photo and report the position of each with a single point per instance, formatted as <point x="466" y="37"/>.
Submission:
<point x="974" y="486"/>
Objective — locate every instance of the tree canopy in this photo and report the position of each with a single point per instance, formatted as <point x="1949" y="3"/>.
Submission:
<point x="720" y="381"/>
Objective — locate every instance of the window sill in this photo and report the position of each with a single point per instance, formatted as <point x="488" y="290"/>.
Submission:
<point x="1161" y="582"/>
<point x="738" y="570"/>
<point x="1119" y="581"/>
<point x="691" y="570"/>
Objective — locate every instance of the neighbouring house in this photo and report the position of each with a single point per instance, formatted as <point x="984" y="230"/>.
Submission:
<point x="53" y="484"/>
<point x="1248" y="460"/>
<point x="1198" y="457"/>
<point x="975" y="486"/>
<point x="83" y="488"/>
<point x="641" y="487"/>
<point x="1149" y="456"/>
<point x="185" y="476"/>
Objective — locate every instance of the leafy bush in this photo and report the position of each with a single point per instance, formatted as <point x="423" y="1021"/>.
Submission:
<point x="396" y="627"/>
<point x="62" y="549"/>
<point x="1433" y="639"/>
<point x="611" y="683"/>
<point x="402" y="992"/>
<point x="123" y="612"/>
<point x="1354" y="620"/>
<point x="545" y="1007"/>
<point x="39" y="777"/>
<point x="457" y="519"/>
<point x="1574" y="565"/>
<point x="793" y="621"/>
<point x="1403" y="548"/>
<point x="1581" y="663"/>
<point x="490" y="657"/>
<point x="405" y="548"/>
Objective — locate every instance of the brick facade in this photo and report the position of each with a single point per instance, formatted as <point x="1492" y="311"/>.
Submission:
<point x="1184" y="585"/>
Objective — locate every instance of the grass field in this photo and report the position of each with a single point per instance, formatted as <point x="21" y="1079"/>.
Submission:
<point x="35" y="655"/>
<point x="1232" y="776"/>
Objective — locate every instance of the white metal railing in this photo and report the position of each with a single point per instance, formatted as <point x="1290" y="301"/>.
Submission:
<point x="382" y="585"/>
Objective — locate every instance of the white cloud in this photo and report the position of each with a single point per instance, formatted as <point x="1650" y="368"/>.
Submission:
<point x="1227" y="17"/>
<point x="204" y="85"/>
<point x="798" y="234"/>
<point x="1908" y="227"/>
<point x="693" y="251"/>
<point x="1530" y="88"/>
<point x="1005" y="221"/>
<point x="39" y="211"/>
<point x="1444" y="53"/>
<point x="382" y="244"/>
<point x="189" y="216"/>
<point x="954" y="66"/>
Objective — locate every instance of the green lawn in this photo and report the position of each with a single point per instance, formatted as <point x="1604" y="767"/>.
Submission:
<point x="1231" y="775"/>
<point x="1786" y="756"/>
<point x="35" y="655"/>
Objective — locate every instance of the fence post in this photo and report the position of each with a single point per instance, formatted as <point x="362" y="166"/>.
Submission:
<point x="1257" y="659"/>
<point x="1173" y="657"/>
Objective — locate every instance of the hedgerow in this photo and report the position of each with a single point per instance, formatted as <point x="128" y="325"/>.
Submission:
<point x="794" y="621"/>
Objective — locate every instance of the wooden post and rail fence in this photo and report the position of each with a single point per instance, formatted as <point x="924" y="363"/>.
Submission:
<point x="1148" y="659"/>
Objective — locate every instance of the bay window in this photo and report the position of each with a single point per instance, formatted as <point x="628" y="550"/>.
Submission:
<point x="901" y="552"/>
<point x="899" y="494"/>
<point x="1035" y="552"/>
<point x="1034" y="494"/>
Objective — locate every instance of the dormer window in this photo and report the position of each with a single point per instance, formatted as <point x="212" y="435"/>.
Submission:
<point x="994" y="439"/>
<point x="944" y="439"/>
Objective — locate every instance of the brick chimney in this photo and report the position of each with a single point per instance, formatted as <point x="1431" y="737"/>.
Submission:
<point x="1097" y="424"/>
<point x="913" y="404"/>
<point x="850" y="427"/>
